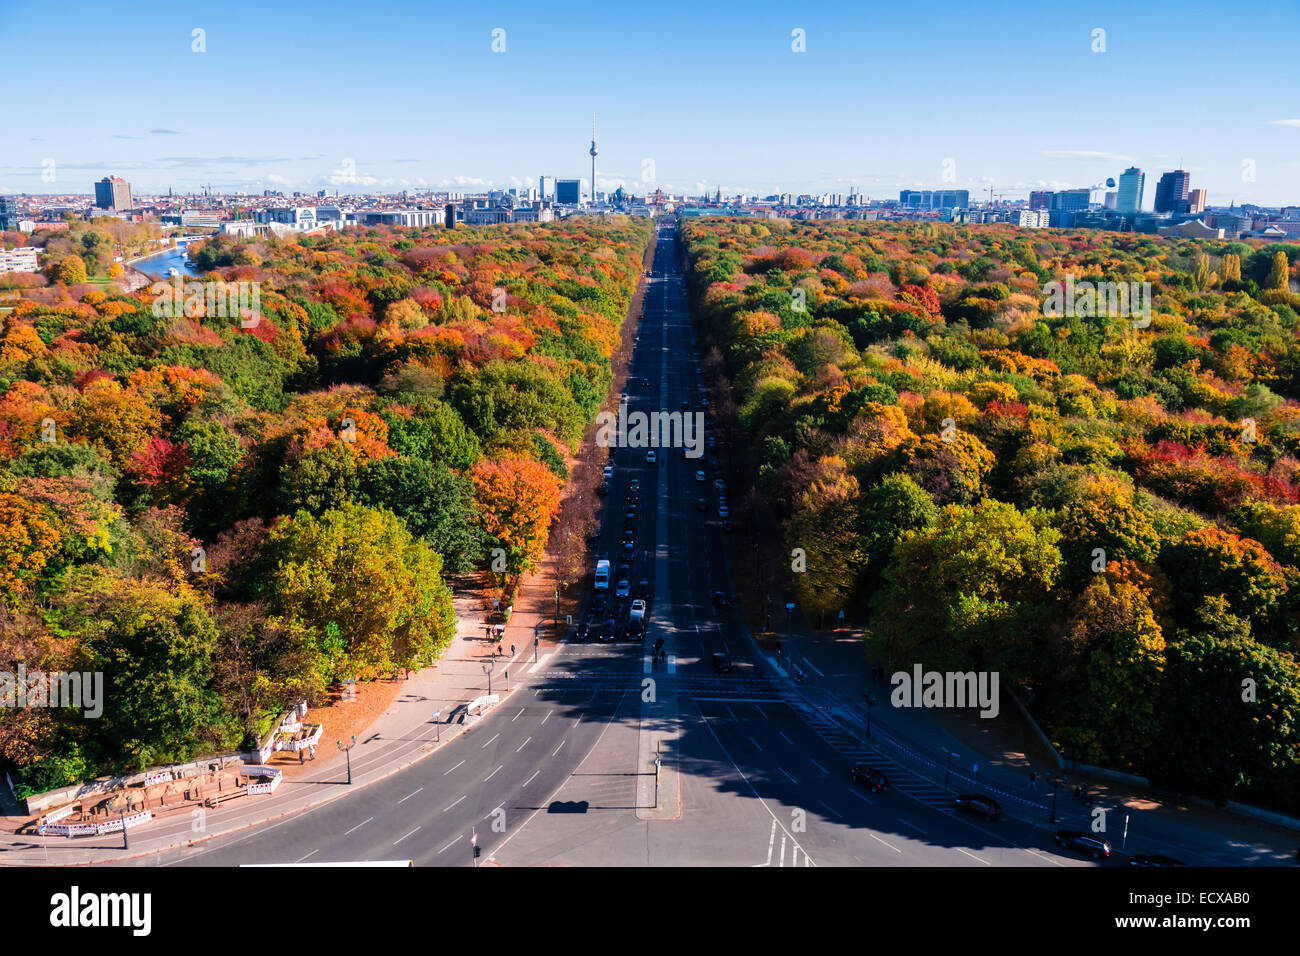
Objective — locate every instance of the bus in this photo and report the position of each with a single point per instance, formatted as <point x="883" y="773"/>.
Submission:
<point x="602" y="574"/>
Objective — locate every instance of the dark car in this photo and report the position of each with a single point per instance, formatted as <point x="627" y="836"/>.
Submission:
<point x="643" y="588"/>
<point x="721" y="663"/>
<point x="1154" y="859"/>
<point x="727" y="526"/>
<point x="869" y="777"/>
<point x="721" y="599"/>
<point x="701" y="504"/>
<point x="632" y="497"/>
<point x="686" y="406"/>
<point x="629" y="550"/>
<point x="582" y="632"/>
<point x="1080" y="842"/>
<point x="977" y="805"/>
<point x="645" y="383"/>
<point x="602" y="488"/>
<point x="592" y="541"/>
<point x="607" y="631"/>
<point x="635" y="631"/>
<point x="636" y="484"/>
<point x="599" y="603"/>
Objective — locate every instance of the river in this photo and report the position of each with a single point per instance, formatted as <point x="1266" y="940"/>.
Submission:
<point x="160" y="266"/>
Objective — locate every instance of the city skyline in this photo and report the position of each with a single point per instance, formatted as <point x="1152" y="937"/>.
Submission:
<point x="701" y="100"/>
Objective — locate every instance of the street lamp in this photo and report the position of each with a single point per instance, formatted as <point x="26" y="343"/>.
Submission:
<point x="126" y="840"/>
<point x="871" y="700"/>
<point x="347" y="751"/>
<point x="1056" y="782"/>
<point x="487" y="669"/>
<point x="437" y="722"/>
<point x="947" y="764"/>
<point x="557" y="609"/>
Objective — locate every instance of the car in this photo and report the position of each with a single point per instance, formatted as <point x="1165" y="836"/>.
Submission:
<point x="598" y="604"/>
<point x="650" y="457"/>
<point x="635" y="631"/>
<point x="699" y="474"/>
<point x="623" y="398"/>
<point x="623" y="588"/>
<point x="593" y="540"/>
<point x="629" y="528"/>
<point x="719" y="484"/>
<point x="629" y="550"/>
<point x="619" y="611"/>
<point x="704" y="402"/>
<point x="603" y="488"/>
<point x="632" y="497"/>
<point x="638" y="610"/>
<point x="727" y="526"/>
<point x="608" y="472"/>
<point x="1087" y="843"/>
<point x="721" y="599"/>
<point x="686" y="406"/>
<point x="721" y="663"/>
<point x="723" y="511"/>
<point x="643" y="587"/>
<point x="712" y="443"/>
<point x="978" y="805"/>
<point x="582" y="632"/>
<point x="701" y="504"/>
<point x="607" y="631"/>
<point x="631" y="511"/>
<point x="645" y="382"/>
<point x="1154" y="859"/>
<point x="869" y="777"/>
<point x="636" y="484"/>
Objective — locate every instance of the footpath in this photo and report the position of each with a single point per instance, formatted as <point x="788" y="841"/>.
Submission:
<point x="957" y="751"/>
<point x="406" y="732"/>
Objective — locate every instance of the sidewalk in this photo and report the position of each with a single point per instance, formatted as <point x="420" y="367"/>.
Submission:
<point x="403" y="734"/>
<point x="946" y="746"/>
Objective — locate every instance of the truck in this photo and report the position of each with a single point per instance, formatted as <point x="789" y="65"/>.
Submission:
<point x="602" y="574"/>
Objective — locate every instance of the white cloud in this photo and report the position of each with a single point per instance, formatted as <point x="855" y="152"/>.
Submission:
<point x="1287" y="122"/>
<point x="1085" y="154"/>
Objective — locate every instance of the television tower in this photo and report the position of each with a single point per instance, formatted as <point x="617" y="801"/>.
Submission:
<point x="593" y="163"/>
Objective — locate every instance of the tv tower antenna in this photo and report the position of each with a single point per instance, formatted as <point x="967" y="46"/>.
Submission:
<point x="593" y="152"/>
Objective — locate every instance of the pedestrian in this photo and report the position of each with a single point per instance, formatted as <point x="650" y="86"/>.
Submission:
<point x="301" y="757"/>
<point x="512" y="650"/>
<point x="313" y="751"/>
<point x="500" y="653"/>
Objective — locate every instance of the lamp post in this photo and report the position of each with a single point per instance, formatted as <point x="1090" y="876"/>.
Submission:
<point x="1056" y="782"/>
<point x="437" y="722"/>
<point x="557" y="609"/>
<point x="347" y="752"/>
<point x="126" y="840"/>
<point x="947" y="764"/>
<point x="871" y="700"/>
<point x="487" y="669"/>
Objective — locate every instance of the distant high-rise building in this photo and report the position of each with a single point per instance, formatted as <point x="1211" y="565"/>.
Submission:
<point x="593" y="162"/>
<point x="1040" y="199"/>
<point x="8" y="214"/>
<point x="542" y="188"/>
<point x="1110" y="199"/>
<point x="1071" y="200"/>
<point x="1196" y="200"/>
<point x="1171" y="191"/>
<point x="934" y="198"/>
<point x="568" y="191"/>
<point x="1131" y="183"/>
<point x="113" y="193"/>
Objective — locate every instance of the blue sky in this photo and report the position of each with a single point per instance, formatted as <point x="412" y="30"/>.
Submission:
<point x="685" y="95"/>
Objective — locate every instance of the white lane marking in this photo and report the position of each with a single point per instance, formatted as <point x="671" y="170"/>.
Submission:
<point x="785" y="738"/>
<point x="494" y="737"/>
<point x="761" y="712"/>
<point x="445" y="772"/>
<point x="755" y="743"/>
<point x="557" y="749"/>
<point x="813" y="666"/>
<point x="401" y="838"/>
<point x="462" y="797"/>
<point x="771" y="843"/>
<point x="817" y="765"/>
<point x="517" y="716"/>
<point x="312" y="853"/>
<point x="972" y="856"/>
<point x="787" y="776"/>
<point x="782" y="863"/>
<point x="1041" y="856"/>
<point x="733" y="716"/>
<point x="831" y="809"/>
<point x="912" y="825"/>
<point x="530" y="779"/>
<point x="492" y="774"/>
<point x="546" y="718"/>
<point x="890" y="845"/>
<point x="359" y="826"/>
<point x="859" y="796"/>
<point x="524" y="744"/>
<point x="451" y="844"/>
<point x="409" y="796"/>
<point x="672" y="664"/>
<point x="541" y="662"/>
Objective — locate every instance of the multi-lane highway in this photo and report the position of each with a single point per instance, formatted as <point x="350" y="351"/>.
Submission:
<point x="606" y="756"/>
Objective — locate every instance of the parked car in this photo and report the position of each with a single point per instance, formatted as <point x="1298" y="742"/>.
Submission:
<point x="727" y="526"/>
<point x="1154" y="859"/>
<point x="636" y="484"/>
<point x="978" y="805"/>
<point x="1086" y="843"/>
<point x="645" y="382"/>
<point x="609" y="472"/>
<point x="719" y="484"/>
<point x="635" y="631"/>
<point x="869" y="777"/>
<point x="622" y="589"/>
<point x="723" y="511"/>
<point x="721" y="663"/>
<point x="598" y="604"/>
<point x="699" y="474"/>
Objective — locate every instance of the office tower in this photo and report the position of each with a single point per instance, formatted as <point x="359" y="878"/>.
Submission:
<point x="8" y="214"/>
<point x="568" y="191"/>
<point x="1040" y="199"/>
<point x="113" y="193"/>
<point x="1111" y="200"/>
<point x="1196" y="200"/>
<point x="1171" y="191"/>
<point x="1131" y="183"/>
<point x="542" y="190"/>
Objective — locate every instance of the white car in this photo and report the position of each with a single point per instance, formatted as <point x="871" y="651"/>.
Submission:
<point x="699" y="476"/>
<point x="637" y="613"/>
<point x="650" y="456"/>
